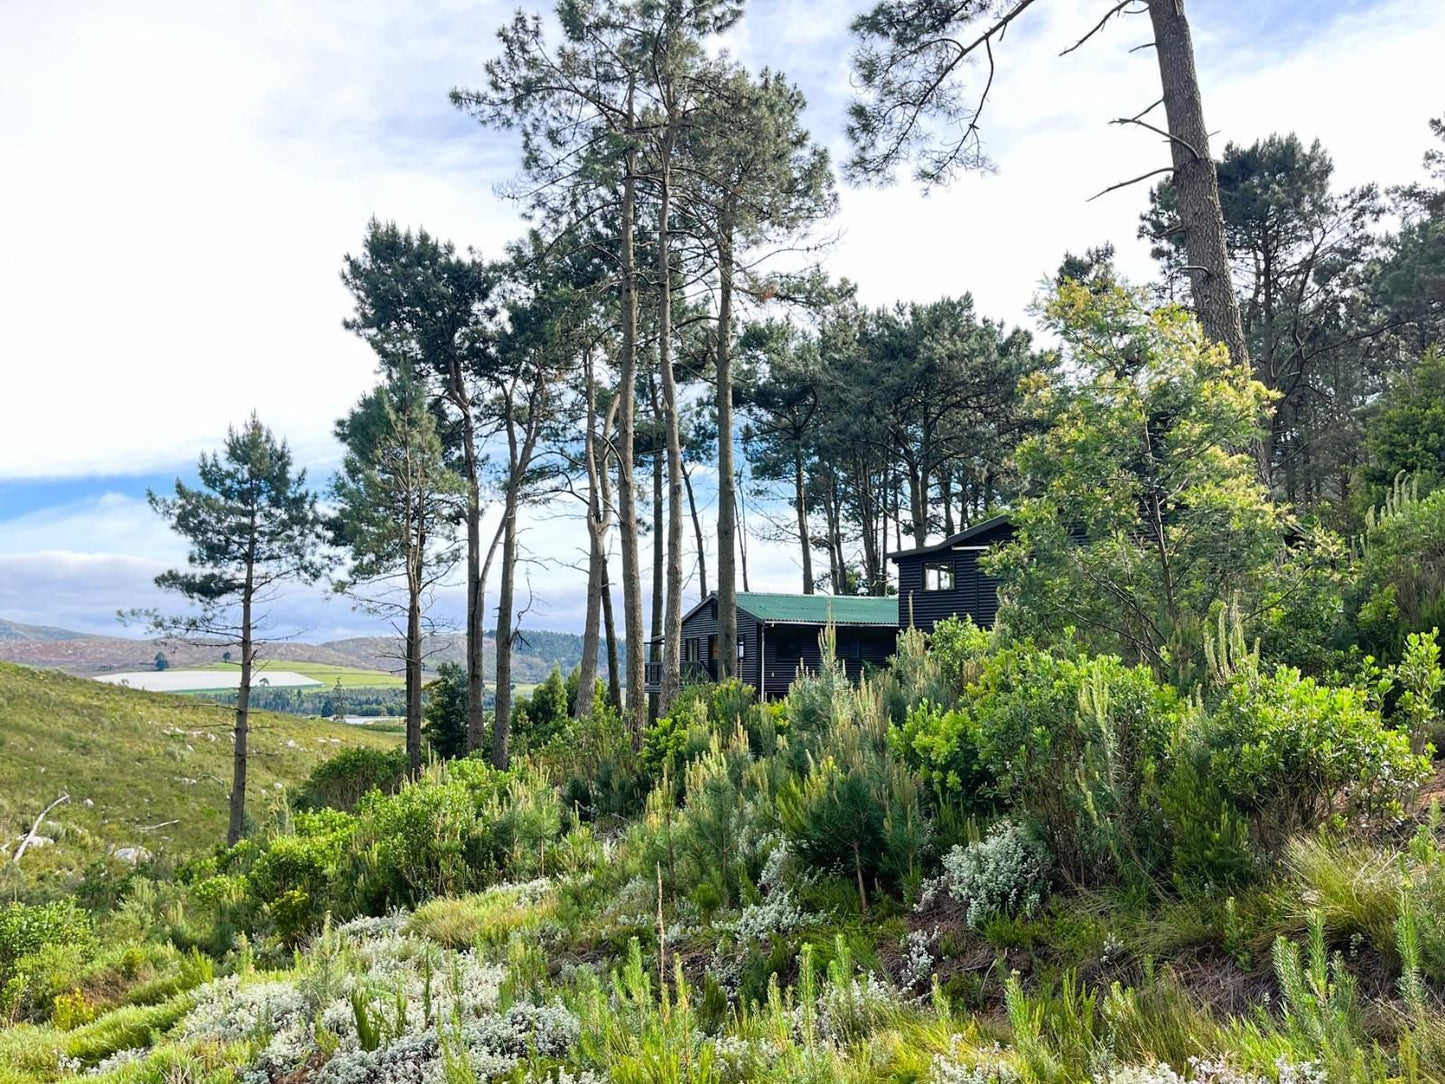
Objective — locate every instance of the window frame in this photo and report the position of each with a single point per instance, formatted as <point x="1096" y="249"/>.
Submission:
<point x="934" y="584"/>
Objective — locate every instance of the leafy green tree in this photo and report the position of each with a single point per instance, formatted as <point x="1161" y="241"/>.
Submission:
<point x="545" y="715"/>
<point x="1407" y="432"/>
<point x="1141" y="511"/>
<point x="760" y="182"/>
<point x="446" y="711"/>
<point x="1410" y="279"/>
<point x="577" y="104"/>
<point x="253" y="526"/>
<point x="1299" y="253"/>
<point x="161" y="662"/>
<point x="397" y="509"/>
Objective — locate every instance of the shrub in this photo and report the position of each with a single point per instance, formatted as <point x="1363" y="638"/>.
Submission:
<point x="1290" y="753"/>
<point x="1003" y="875"/>
<point x="959" y="649"/>
<point x="428" y="839"/>
<point x="28" y="933"/>
<point x="1074" y="744"/>
<point x="855" y="810"/>
<point x="27" y="928"/>
<point x="342" y="781"/>
<point x="1421" y="679"/>
<point x="944" y="748"/>
<point x="1401" y="587"/>
<point x="293" y="881"/>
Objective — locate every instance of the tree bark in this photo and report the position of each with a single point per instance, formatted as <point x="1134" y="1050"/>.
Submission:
<point x="727" y="582"/>
<point x="597" y="513"/>
<point x="627" y="498"/>
<point x="609" y="626"/>
<point x="413" y="669"/>
<point x="476" y="617"/>
<point x="237" y="825"/>
<point x="502" y="714"/>
<point x="742" y="538"/>
<point x="1196" y="181"/>
<point x="672" y="426"/>
<point x="659" y="565"/>
<point x="697" y="531"/>
<point x="800" y="505"/>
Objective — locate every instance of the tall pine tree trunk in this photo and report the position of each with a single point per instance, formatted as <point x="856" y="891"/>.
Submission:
<point x="626" y="443"/>
<point x="587" y="669"/>
<point x="672" y="426"/>
<point x="609" y="627"/>
<point x="727" y="581"/>
<point x="800" y="505"/>
<point x="1197" y="184"/>
<point x="697" y="531"/>
<point x="476" y="617"/>
<point x="659" y="569"/>
<point x="237" y="826"/>
<point x="502" y="716"/>
<point x="413" y="666"/>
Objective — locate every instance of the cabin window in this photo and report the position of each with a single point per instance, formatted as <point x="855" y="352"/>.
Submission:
<point x="938" y="576"/>
<point x="790" y="646"/>
<point x="689" y="650"/>
<point x="712" y="648"/>
<point x="855" y="648"/>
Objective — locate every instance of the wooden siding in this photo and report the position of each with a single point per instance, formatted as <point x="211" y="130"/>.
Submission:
<point x="786" y="647"/>
<point x="974" y="593"/>
<point x="703" y="624"/>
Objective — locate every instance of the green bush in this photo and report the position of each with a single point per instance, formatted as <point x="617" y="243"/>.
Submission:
<point x="1401" y="586"/>
<point x="855" y="810"/>
<point x="1074" y="745"/>
<point x="342" y="781"/>
<point x="31" y="935"/>
<point x="944" y="748"/>
<point x="1291" y="754"/>
<point x="959" y="649"/>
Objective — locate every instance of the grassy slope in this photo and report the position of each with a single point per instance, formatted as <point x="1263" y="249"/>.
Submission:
<point x="351" y="677"/>
<point x="141" y="759"/>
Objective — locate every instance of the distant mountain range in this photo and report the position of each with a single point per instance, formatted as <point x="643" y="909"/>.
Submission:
<point x="81" y="653"/>
<point x="13" y="632"/>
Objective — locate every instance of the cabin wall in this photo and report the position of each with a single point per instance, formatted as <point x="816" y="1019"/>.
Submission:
<point x="703" y="624"/>
<point x="786" y="647"/>
<point x="975" y="593"/>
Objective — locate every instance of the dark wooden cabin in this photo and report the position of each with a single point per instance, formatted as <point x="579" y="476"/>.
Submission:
<point x="943" y="579"/>
<point x="780" y="631"/>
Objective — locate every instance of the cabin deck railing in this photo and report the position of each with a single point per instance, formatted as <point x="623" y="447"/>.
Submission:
<point x="693" y="673"/>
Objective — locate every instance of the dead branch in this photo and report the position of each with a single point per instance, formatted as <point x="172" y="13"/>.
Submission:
<point x="1158" y="131"/>
<point x="1120" y="6"/>
<point x="34" y="828"/>
<point x="1132" y="180"/>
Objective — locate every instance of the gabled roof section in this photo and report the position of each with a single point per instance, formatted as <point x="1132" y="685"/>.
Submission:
<point x="974" y="534"/>
<point x="820" y="609"/>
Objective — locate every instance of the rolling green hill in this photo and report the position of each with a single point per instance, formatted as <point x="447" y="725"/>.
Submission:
<point x="144" y="770"/>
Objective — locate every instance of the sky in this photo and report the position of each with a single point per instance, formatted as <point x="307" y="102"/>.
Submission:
<point x="181" y="180"/>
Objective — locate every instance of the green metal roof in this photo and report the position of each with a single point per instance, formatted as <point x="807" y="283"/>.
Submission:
<point x="820" y="609"/>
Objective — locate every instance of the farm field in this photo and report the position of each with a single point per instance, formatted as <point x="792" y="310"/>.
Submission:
<point x="203" y="681"/>
<point x="325" y="673"/>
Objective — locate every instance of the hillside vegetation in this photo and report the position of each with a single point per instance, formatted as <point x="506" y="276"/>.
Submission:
<point x="142" y="769"/>
<point x="534" y="656"/>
